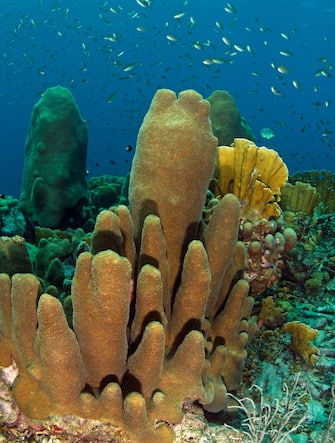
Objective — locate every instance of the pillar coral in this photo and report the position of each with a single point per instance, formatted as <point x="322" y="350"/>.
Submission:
<point x="183" y="150"/>
<point x="154" y="324"/>
<point x="54" y="182"/>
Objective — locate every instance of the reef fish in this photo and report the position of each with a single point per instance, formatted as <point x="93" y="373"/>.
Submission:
<point x="267" y="133"/>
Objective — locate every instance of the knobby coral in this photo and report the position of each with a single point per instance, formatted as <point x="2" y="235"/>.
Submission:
<point x="158" y="318"/>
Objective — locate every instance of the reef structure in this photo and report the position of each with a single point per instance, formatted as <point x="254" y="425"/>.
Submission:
<point x="158" y="316"/>
<point x="54" y="182"/>
<point x="255" y="175"/>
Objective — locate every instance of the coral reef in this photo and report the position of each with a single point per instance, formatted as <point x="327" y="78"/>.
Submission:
<point x="255" y="175"/>
<point x="158" y="316"/>
<point x="54" y="183"/>
<point x="227" y="123"/>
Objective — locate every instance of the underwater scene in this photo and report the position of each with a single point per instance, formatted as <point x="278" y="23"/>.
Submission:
<point x="167" y="221"/>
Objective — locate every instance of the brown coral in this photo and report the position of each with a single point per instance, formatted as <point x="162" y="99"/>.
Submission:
<point x="154" y="324"/>
<point x="14" y="255"/>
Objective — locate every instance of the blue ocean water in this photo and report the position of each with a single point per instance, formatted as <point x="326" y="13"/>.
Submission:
<point x="275" y="58"/>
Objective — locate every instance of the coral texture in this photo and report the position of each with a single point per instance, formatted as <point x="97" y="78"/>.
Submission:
<point x="267" y="242"/>
<point x="54" y="182"/>
<point x="14" y="255"/>
<point x="254" y="174"/>
<point x="300" y="197"/>
<point x="302" y="335"/>
<point x="158" y="318"/>
<point x="324" y="182"/>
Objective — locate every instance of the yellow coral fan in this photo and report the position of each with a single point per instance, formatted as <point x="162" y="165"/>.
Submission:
<point x="255" y="175"/>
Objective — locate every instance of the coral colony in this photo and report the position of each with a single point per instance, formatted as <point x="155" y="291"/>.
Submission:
<point x="127" y="306"/>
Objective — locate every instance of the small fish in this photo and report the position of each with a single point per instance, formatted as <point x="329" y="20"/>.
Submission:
<point x="250" y="50"/>
<point x="144" y="3"/>
<point x="218" y="60"/>
<point x="230" y="8"/>
<point x="141" y="28"/>
<point x="285" y="53"/>
<point x="133" y="14"/>
<point x="111" y="97"/>
<point x="172" y="38"/>
<point x="128" y="148"/>
<point x="238" y="48"/>
<point x="129" y="67"/>
<point x="326" y="133"/>
<point x="285" y="36"/>
<point x="323" y="73"/>
<point x="226" y="41"/>
<point x="296" y="84"/>
<point x="197" y="45"/>
<point x="219" y="25"/>
<point x="192" y="21"/>
<point x="275" y="91"/>
<point x="114" y="11"/>
<point x="282" y="69"/>
<point x="209" y="43"/>
<point x="208" y="62"/>
<point x="267" y="133"/>
<point x="111" y="38"/>
<point x="179" y="15"/>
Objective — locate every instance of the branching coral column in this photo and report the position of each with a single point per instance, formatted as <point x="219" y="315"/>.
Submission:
<point x="158" y="317"/>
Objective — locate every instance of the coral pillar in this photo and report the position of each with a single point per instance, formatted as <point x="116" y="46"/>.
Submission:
<point x="56" y="148"/>
<point x="175" y="152"/>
